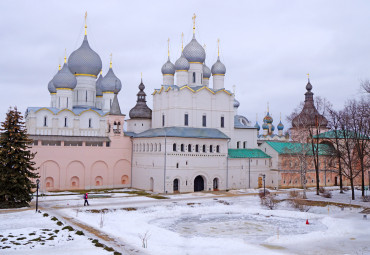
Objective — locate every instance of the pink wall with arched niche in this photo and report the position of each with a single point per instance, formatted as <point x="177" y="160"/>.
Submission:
<point x="60" y="166"/>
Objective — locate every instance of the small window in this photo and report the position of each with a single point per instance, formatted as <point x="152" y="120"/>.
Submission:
<point x="193" y="77"/>
<point x="45" y="121"/>
<point x="182" y="147"/>
<point x="218" y="148"/>
<point x="186" y="119"/>
<point x="211" y="148"/>
<point x="163" y="120"/>
<point x="204" y="148"/>
<point x="197" y="148"/>
<point x="204" y="121"/>
<point x="90" y="124"/>
<point x="237" y="145"/>
<point x="67" y="102"/>
<point x="222" y="121"/>
<point x="107" y="144"/>
<point x="244" y="145"/>
<point x="177" y="165"/>
<point x="189" y="148"/>
<point x="86" y="97"/>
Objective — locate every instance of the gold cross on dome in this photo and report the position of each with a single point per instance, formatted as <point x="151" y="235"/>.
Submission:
<point x="168" y="46"/>
<point x="308" y="75"/>
<point x="85" y="23"/>
<point x="110" y="64"/>
<point x="182" y="42"/>
<point x="194" y="16"/>
<point x="218" y="47"/>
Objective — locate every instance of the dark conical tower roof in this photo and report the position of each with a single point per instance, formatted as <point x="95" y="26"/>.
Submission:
<point x="141" y="110"/>
<point x="309" y="116"/>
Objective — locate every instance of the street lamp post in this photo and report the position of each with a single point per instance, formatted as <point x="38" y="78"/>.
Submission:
<point x="264" y="190"/>
<point x="37" y="193"/>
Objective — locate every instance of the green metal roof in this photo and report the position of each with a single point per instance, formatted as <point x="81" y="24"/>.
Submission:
<point x="341" y="134"/>
<point x="295" y="148"/>
<point x="247" y="153"/>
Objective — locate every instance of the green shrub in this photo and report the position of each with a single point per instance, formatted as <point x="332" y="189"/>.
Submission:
<point x="80" y="233"/>
<point x="68" y="227"/>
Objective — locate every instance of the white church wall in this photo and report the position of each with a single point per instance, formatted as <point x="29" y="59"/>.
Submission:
<point x="185" y="165"/>
<point x="244" y="136"/>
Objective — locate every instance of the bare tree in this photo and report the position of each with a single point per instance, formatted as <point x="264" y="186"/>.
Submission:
<point x="334" y="140"/>
<point x="359" y="124"/>
<point x="347" y="146"/>
<point x="365" y="86"/>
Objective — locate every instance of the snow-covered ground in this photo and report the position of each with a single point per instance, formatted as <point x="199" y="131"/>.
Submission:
<point x="27" y="232"/>
<point x="194" y="223"/>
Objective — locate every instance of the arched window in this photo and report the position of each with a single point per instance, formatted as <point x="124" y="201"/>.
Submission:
<point x="211" y="148"/>
<point x="160" y="147"/>
<point x="65" y="121"/>
<point x="193" y="77"/>
<point x="45" y="121"/>
<point x="155" y="147"/>
<point x="218" y="148"/>
<point x="204" y="148"/>
<point x="151" y="147"/>
<point x="197" y="148"/>
<point x="176" y="185"/>
<point x="182" y="147"/>
<point x="90" y="124"/>
<point x="189" y="148"/>
<point x="174" y="147"/>
<point x="177" y="165"/>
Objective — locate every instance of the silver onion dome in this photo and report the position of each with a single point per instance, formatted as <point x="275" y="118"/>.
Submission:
<point x="206" y="71"/>
<point x="236" y="103"/>
<point x="182" y="64"/>
<point x="84" y="60"/>
<point x="51" y="86"/>
<point x="64" y="78"/>
<point x="218" y="68"/>
<point x="194" y="52"/>
<point x="168" y="68"/>
<point x="99" y="91"/>
<point x="110" y="82"/>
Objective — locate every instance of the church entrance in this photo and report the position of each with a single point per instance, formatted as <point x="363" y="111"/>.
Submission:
<point x="215" y="184"/>
<point x="198" y="183"/>
<point x="176" y="186"/>
<point x="259" y="182"/>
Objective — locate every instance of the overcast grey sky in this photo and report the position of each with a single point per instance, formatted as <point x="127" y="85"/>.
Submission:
<point x="268" y="47"/>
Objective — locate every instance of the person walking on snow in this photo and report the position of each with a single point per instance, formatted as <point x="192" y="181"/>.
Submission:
<point x="86" y="197"/>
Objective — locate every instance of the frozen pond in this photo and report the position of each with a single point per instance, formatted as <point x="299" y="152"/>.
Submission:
<point x="250" y="227"/>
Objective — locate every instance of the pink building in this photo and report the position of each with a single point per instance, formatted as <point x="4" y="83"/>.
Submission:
<point x="84" y="162"/>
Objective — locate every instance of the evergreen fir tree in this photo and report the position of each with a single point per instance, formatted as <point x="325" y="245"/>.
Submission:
<point x="17" y="171"/>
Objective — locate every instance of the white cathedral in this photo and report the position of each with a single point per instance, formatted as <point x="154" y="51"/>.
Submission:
<point x="192" y="140"/>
